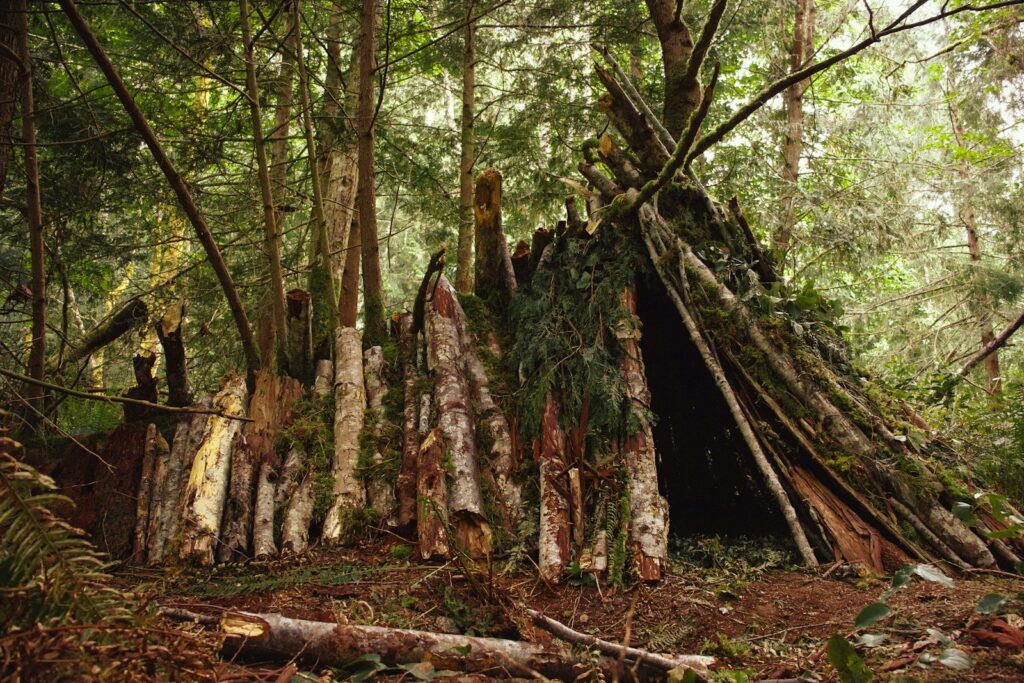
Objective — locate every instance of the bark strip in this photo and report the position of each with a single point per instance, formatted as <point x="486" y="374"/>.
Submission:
<point x="350" y="404"/>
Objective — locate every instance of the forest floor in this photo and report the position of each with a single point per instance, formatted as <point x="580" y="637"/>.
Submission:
<point x="742" y="602"/>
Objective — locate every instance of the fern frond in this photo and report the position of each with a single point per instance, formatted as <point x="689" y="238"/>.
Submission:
<point x="48" y="570"/>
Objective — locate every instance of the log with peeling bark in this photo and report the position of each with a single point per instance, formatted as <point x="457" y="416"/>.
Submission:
<point x="405" y="486"/>
<point x="432" y="498"/>
<point x="278" y="638"/>
<point x="165" y="517"/>
<point x="493" y="271"/>
<point x="380" y="493"/>
<point x="169" y="331"/>
<point x="553" y="539"/>
<point x="648" y="524"/>
<point x="299" y="492"/>
<point x="154" y="450"/>
<point x="114" y="326"/>
<point x="299" y="336"/>
<point x="445" y="352"/>
<point x="263" y="544"/>
<point x="207" y="485"/>
<point x="350" y="404"/>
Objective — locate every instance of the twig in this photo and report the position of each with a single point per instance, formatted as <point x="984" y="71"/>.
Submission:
<point x="121" y="399"/>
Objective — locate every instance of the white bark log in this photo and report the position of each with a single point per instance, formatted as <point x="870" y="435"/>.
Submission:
<point x="263" y="545"/>
<point x="350" y="403"/>
<point x="553" y="537"/>
<point x="155" y="452"/>
<point x="207" y="484"/>
<point x="379" y="492"/>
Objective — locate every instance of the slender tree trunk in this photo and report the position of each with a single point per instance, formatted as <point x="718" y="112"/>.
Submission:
<point x="282" y="119"/>
<point x="348" y="307"/>
<point x="799" y="53"/>
<point x="34" y="213"/>
<point x="9" y="80"/>
<point x="681" y="96"/>
<point x="271" y="236"/>
<point x="174" y="179"/>
<point x="350" y="407"/>
<point x="493" y="268"/>
<point x="463" y="274"/>
<point x="374" y="323"/>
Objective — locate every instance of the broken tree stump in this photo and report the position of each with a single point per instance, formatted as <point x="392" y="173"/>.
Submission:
<point x="493" y="271"/>
<point x="169" y="331"/>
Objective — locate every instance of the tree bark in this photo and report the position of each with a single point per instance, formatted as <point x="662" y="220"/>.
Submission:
<point x="169" y="330"/>
<point x="432" y="498"/>
<point x="271" y="235"/>
<point x="128" y="317"/>
<point x="350" y="405"/>
<point x="300" y="335"/>
<point x="648" y="524"/>
<point x="553" y="539"/>
<point x="349" y="305"/>
<point x="799" y="54"/>
<point x="272" y="636"/>
<point x="285" y="93"/>
<point x="10" y="72"/>
<point x="34" y="213"/>
<point x="681" y="96"/>
<point x="467" y="159"/>
<point x="445" y="352"/>
<point x="207" y="486"/>
<point x="380" y="492"/>
<point x="145" y="389"/>
<point x="493" y="270"/>
<point x="154" y="450"/>
<point x="405" y="487"/>
<point x="374" y="320"/>
<point x="174" y="179"/>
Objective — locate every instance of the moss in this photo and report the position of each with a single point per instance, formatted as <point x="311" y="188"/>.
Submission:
<point x="323" y="495"/>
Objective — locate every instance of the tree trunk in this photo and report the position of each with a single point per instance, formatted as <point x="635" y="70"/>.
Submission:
<point x="285" y="92"/>
<point x="300" y="335"/>
<point x="493" y="271"/>
<point x="169" y="330"/>
<point x="10" y="73"/>
<point x="463" y="274"/>
<point x="405" y="487"/>
<point x="34" y="213"/>
<point x="682" y="96"/>
<point x="553" y="539"/>
<point x="274" y="637"/>
<point x="271" y="234"/>
<point x="350" y="405"/>
<point x="145" y="389"/>
<point x="648" y="524"/>
<point x="380" y="491"/>
<point x="207" y="486"/>
<point x="374" y="321"/>
<point x="800" y="53"/>
<point x="445" y="352"/>
<point x="175" y="180"/>
<point x="432" y="498"/>
<point x="169" y="504"/>
<point x="348" y="312"/>
<point x="154" y="451"/>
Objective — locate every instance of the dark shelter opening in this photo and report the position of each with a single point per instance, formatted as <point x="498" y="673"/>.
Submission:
<point x="705" y="469"/>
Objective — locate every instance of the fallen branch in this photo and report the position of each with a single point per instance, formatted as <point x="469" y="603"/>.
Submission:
<point x="697" y="663"/>
<point x="985" y="352"/>
<point x="120" y="399"/>
<point x="272" y="636"/>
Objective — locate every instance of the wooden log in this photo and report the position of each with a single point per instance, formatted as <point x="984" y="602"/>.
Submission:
<point x="572" y="216"/>
<point x="648" y="524"/>
<point x="299" y="336"/>
<point x="274" y="637"/>
<point x="207" y="486"/>
<point x="145" y="388"/>
<point x="299" y="512"/>
<point x="116" y="325"/>
<point x="405" y="487"/>
<point x="167" y="499"/>
<point x="236" y="524"/>
<point x="641" y="138"/>
<point x="553" y="539"/>
<point x="432" y="498"/>
<point x="380" y="493"/>
<point x="445" y="352"/>
<point x="350" y="404"/>
<point x="521" y="262"/>
<point x="621" y="167"/>
<point x="419" y="308"/>
<point x="493" y="271"/>
<point x="155" y="449"/>
<point x="263" y="544"/>
<point x="542" y="237"/>
<point x="169" y="331"/>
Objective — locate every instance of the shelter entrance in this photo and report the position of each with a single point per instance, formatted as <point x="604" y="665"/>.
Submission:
<point x="705" y="469"/>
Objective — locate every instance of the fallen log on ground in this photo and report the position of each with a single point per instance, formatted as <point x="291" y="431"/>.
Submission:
<point x="272" y="636"/>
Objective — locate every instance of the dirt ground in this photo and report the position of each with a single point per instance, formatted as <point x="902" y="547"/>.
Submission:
<point x="761" y="617"/>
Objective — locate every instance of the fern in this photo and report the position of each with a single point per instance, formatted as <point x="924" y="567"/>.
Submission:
<point x="48" y="571"/>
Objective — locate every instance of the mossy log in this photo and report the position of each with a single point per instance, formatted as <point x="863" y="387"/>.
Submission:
<point x="123" y="320"/>
<point x="493" y="272"/>
<point x="432" y="497"/>
<point x="350" y="404"/>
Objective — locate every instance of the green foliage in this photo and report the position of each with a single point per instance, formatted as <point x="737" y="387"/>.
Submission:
<point x="233" y="580"/>
<point x="48" y="572"/>
<point x="847" y="663"/>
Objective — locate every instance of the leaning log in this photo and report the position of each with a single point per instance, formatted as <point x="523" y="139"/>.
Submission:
<point x="445" y="352"/>
<point x="405" y="487"/>
<point x="169" y="331"/>
<point x="432" y="497"/>
<point x="207" y="486"/>
<point x="350" y="403"/>
<point x="648" y="524"/>
<point x="553" y="540"/>
<point x="279" y="638"/>
<point x="124" y="320"/>
<point x="493" y="271"/>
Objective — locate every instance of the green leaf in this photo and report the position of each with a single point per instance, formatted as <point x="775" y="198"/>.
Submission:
<point x="872" y="614"/>
<point x="847" y="662"/>
<point x="990" y="603"/>
<point x="965" y="513"/>
<point x="934" y="574"/>
<point x="901" y="579"/>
